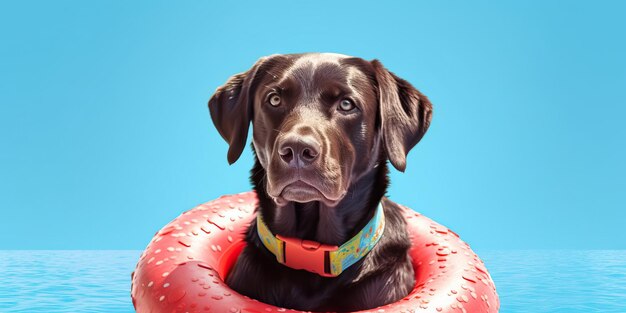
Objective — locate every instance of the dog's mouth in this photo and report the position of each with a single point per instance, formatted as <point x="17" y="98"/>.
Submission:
<point x="301" y="191"/>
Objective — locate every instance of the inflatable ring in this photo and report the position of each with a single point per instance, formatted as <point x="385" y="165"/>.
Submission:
<point x="183" y="267"/>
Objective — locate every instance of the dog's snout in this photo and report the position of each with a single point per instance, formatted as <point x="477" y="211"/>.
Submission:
<point x="298" y="151"/>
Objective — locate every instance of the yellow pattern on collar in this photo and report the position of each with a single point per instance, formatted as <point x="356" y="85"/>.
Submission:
<point x="344" y="256"/>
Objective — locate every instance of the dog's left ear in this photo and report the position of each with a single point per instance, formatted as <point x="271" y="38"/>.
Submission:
<point x="405" y="115"/>
<point x="231" y="110"/>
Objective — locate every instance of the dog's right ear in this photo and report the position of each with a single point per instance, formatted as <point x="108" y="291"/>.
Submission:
<point x="231" y="109"/>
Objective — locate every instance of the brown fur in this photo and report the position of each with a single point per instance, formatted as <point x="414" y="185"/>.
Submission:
<point x="321" y="171"/>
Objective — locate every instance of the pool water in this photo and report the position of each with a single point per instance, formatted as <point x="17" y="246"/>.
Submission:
<point x="527" y="281"/>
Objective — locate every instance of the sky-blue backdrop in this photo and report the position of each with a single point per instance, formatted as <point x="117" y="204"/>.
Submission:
<point x="105" y="134"/>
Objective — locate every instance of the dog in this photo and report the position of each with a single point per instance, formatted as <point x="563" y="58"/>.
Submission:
<point x="324" y="127"/>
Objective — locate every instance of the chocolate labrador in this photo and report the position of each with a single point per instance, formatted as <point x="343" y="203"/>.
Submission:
<point x="324" y="126"/>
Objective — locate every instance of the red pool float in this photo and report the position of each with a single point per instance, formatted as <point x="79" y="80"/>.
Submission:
<point x="184" y="266"/>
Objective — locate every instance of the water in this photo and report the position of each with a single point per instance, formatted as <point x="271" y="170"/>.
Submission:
<point x="66" y="281"/>
<point x="99" y="281"/>
<point x="559" y="280"/>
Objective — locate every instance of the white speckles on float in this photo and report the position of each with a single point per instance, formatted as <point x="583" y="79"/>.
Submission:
<point x="455" y="278"/>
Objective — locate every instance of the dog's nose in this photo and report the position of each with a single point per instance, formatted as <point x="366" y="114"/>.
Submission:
<point x="298" y="151"/>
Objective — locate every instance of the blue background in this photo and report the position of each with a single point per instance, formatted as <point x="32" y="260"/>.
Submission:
<point x="105" y="134"/>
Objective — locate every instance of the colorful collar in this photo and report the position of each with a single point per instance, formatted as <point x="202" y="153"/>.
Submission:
<point x="324" y="260"/>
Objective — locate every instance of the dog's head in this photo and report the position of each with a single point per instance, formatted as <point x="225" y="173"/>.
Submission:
<point x="319" y="121"/>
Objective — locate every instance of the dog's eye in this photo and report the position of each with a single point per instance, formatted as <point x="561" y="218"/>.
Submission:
<point x="346" y="105"/>
<point x="274" y="99"/>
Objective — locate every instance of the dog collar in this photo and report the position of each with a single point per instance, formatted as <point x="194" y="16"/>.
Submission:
<point x="324" y="260"/>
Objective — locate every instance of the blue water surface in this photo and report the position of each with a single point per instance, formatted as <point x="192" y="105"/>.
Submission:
<point x="99" y="280"/>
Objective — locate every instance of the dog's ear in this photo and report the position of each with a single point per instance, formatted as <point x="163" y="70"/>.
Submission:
<point x="405" y="115"/>
<point x="231" y="110"/>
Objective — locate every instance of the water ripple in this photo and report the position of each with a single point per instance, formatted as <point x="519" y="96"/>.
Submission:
<point x="527" y="281"/>
<point x="559" y="280"/>
<point x="66" y="281"/>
